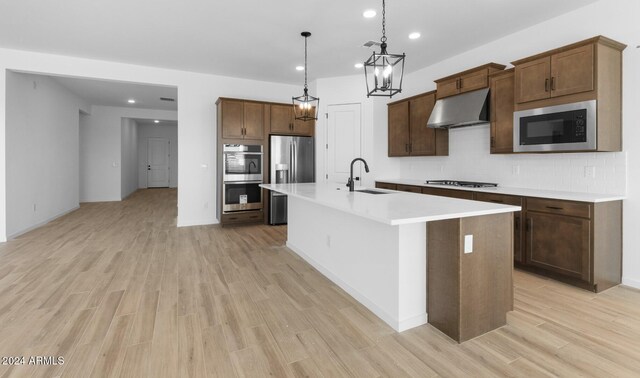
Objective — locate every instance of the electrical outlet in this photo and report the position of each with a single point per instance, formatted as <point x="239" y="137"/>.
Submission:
<point x="329" y="241"/>
<point x="34" y="208"/>
<point x="590" y="171"/>
<point x="468" y="243"/>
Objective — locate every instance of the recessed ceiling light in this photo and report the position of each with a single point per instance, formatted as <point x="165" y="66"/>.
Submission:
<point x="299" y="68"/>
<point x="415" y="35"/>
<point x="156" y="121"/>
<point x="369" y="13"/>
<point x="131" y="101"/>
<point x="358" y="65"/>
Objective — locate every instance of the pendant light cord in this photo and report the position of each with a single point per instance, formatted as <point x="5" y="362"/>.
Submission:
<point x="384" y="37"/>
<point x="305" y="63"/>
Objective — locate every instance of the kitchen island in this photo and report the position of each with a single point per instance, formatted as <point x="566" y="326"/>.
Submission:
<point x="409" y="258"/>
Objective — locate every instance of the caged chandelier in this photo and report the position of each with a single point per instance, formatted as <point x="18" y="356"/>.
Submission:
<point x="305" y="107"/>
<point x="383" y="72"/>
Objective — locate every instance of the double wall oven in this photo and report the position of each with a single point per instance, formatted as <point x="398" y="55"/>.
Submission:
<point x="242" y="176"/>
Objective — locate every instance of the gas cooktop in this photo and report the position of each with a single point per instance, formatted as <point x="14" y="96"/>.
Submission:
<point x="466" y="184"/>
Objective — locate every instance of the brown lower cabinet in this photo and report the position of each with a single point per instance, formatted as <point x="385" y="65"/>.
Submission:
<point x="575" y="242"/>
<point x="409" y="188"/>
<point x="386" y="185"/>
<point x="579" y="243"/>
<point x="242" y="217"/>
<point x="518" y="253"/>
<point x="453" y="193"/>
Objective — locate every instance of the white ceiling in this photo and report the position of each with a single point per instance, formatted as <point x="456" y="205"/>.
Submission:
<point x="150" y="122"/>
<point x="115" y="93"/>
<point x="261" y="39"/>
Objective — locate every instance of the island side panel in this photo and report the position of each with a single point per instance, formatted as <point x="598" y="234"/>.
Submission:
<point x="443" y="276"/>
<point x="470" y="293"/>
<point x="362" y="257"/>
<point x="486" y="274"/>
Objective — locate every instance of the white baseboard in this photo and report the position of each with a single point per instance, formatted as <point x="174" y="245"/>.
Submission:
<point x="201" y="222"/>
<point x="631" y="282"/>
<point x="392" y="321"/>
<point x="40" y="224"/>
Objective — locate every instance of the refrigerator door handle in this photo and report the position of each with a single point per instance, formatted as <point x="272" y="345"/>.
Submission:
<point x="295" y="162"/>
<point x="291" y="162"/>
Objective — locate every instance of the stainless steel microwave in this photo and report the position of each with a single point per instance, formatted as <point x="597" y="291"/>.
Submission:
<point x="568" y="127"/>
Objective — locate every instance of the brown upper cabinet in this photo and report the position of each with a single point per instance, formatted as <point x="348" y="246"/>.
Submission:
<point x="580" y="68"/>
<point x="241" y="119"/>
<point x="466" y="81"/>
<point x="502" y="107"/>
<point x="282" y="122"/>
<point x="408" y="131"/>
<point x="560" y="74"/>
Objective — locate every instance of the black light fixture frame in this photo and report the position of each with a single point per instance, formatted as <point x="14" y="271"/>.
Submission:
<point x="305" y="107"/>
<point x="378" y="83"/>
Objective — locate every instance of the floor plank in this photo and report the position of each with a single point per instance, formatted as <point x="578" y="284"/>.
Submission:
<point x="117" y="290"/>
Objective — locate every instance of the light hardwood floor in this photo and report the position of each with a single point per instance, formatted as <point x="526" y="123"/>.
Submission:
<point x="117" y="290"/>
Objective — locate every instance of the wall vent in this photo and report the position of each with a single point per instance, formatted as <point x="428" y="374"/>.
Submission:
<point x="371" y="44"/>
<point x="167" y="99"/>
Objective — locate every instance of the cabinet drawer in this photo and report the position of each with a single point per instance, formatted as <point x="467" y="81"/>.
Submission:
<point x="462" y="194"/>
<point x="498" y="198"/>
<point x="575" y="209"/>
<point x="409" y="188"/>
<point x="386" y="185"/>
<point x="242" y="217"/>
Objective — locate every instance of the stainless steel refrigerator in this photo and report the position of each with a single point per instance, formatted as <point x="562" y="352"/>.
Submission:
<point x="292" y="160"/>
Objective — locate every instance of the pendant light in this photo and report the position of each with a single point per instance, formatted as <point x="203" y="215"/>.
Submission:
<point x="305" y="107"/>
<point x="383" y="72"/>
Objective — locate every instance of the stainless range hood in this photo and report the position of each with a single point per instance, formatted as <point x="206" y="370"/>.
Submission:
<point x="465" y="109"/>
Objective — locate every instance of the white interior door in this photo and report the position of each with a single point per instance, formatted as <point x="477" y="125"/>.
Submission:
<point x="343" y="142"/>
<point x="158" y="163"/>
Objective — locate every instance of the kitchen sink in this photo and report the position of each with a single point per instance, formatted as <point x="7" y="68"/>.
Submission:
<point x="370" y="191"/>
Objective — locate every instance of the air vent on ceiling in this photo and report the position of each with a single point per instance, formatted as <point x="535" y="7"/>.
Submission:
<point x="167" y="99"/>
<point x="370" y="44"/>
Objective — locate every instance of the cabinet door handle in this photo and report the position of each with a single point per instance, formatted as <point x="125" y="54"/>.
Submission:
<point x="516" y="223"/>
<point x="406" y="147"/>
<point x="410" y="147"/>
<point x="493" y="142"/>
<point x="528" y="225"/>
<point x="554" y="208"/>
<point x="497" y="201"/>
<point x="546" y="85"/>
<point x="553" y="83"/>
<point x="460" y="80"/>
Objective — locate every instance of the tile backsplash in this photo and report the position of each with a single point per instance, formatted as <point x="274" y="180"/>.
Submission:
<point x="469" y="159"/>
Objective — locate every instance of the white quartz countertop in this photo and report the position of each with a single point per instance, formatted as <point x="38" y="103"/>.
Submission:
<point x="524" y="192"/>
<point x="393" y="208"/>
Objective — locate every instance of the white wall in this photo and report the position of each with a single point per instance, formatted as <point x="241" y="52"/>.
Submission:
<point x="345" y="90"/>
<point x="42" y="119"/>
<point x="129" y="157"/>
<point x="104" y="175"/>
<point x="157" y="131"/>
<point x="469" y="156"/>
<point x="197" y="119"/>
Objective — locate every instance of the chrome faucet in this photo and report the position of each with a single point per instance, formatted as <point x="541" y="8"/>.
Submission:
<point x="350" y="183"/>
